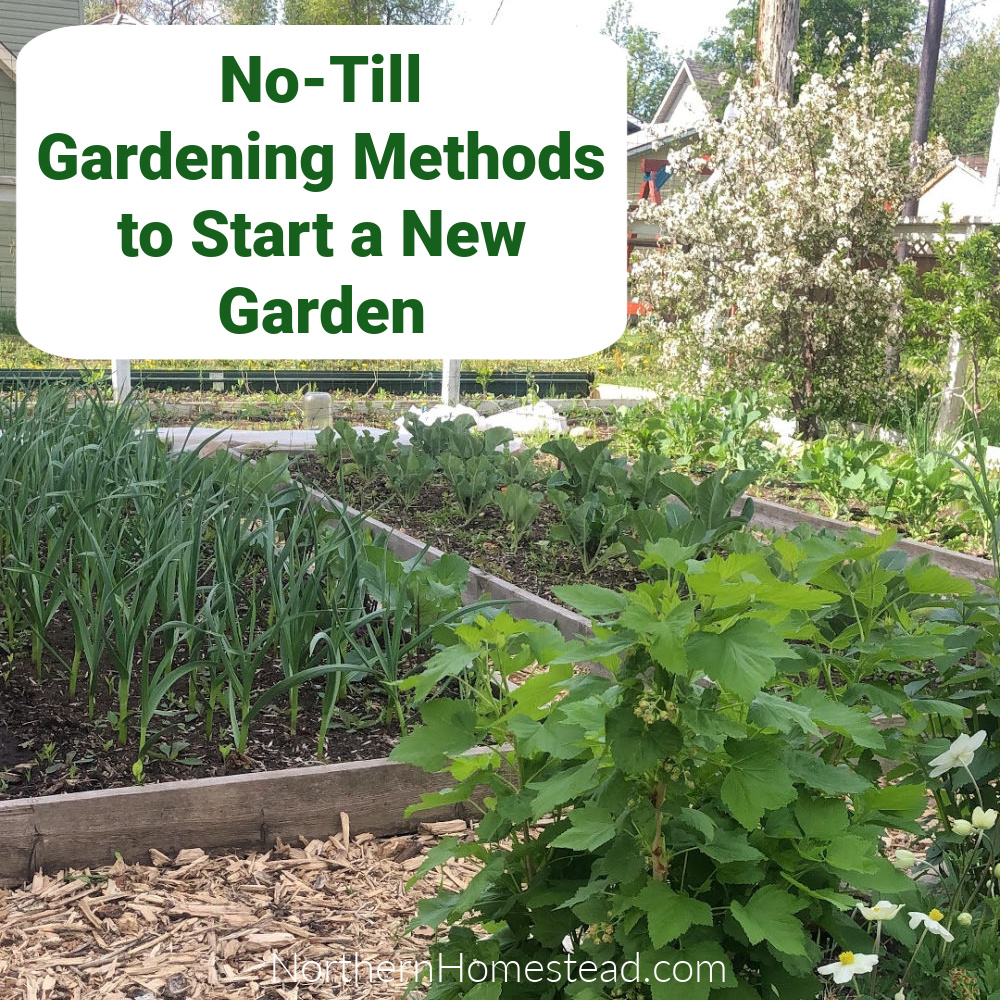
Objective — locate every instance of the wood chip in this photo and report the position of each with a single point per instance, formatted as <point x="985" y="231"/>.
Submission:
<point x="201" y="928"/>
<point x="445" y="828"/>
<point x="185" y="857"/>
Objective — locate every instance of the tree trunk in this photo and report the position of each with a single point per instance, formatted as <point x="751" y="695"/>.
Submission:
<point x="953" y="395"/>
<point x="777" y="36"/>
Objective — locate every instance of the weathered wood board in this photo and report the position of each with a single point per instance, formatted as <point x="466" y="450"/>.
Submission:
<point x="244" y="811"/>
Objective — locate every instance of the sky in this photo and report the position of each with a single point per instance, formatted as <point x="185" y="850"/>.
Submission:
<point x="681" y="24"/>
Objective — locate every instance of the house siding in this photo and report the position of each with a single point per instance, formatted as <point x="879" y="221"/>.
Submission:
<point x="6" y="256"/>
<point x="634" y="177"/>
<point x="22" y="20"/>
<point x="7" y="93"/>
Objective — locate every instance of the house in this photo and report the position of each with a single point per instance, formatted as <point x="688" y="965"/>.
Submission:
<point x="693" y="95"/>
<point x="970" y="185"/>
<point x="962" y="185"/>
<point x="20" y="21"/>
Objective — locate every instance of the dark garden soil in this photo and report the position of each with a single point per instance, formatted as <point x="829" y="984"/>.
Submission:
<point x="49" y="745"/>
<point x="434" y="518"/>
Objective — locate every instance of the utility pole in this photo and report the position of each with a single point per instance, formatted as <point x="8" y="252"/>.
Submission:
<point x="925" y="87"/>
<point x="929" y="54"/>
<point x="777" y="36"/>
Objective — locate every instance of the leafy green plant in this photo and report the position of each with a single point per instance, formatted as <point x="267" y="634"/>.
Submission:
<point x="986" y="494"/>
<point x="519" y="507"/>
<point x="726" y="431"/>
<point x="474" y="480"/>
<point x="408" y="472"/>
<point x="646" y="483"/>
<point x="701" y="517"/>
<point x="582" y="470"/>
<point x="840" y="469"/>
<point x="435" y="438"/>
<point x="921" y="487"/>
<point x="693" y="807"/>
<point x="591" y="526"/>
<point x="413" y="603"/>
<point x="522" y="468"/>
<point x="360" y="453"/>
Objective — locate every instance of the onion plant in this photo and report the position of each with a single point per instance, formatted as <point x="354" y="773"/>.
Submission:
<point x="206" y="572"/>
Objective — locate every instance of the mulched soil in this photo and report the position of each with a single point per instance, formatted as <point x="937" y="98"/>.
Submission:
<point x="433" y="517"/>
<point x="49" y="745"/>
<point x="207" y="928"/>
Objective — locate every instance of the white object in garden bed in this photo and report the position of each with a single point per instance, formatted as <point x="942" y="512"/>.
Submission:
<point x="193" y="438"/>
<point x="527" y="419"/>
<point x="609" y="391"/>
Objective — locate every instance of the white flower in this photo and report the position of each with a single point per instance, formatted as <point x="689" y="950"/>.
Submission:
<point x="962" y="827"/>
<point x="984" y="819"/>
<point x="932" y="922"/>
<point x="848" y="966"/>
<point x="882" y="910"/>
<point x="900" y="996"/>
<point x="959" y="754"/>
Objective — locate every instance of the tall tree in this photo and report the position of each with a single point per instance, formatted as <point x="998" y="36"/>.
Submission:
<point x="617" y="21"/>
<point x="161" y="11"/>
<point x="965" y="95"/>
<point x="367" y="11"/>
<point x="251" y="11"/>
<point x="794" y="276"/>
<point x="650" y="67"/>
<point x="888" y="25"/>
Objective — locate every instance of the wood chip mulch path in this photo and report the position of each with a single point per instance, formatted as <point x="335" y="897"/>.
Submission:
<point x="203" y="928"/>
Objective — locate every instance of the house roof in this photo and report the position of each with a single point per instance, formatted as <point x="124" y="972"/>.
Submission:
<point x="632" y="123"/>
<point x="977" y="162"/>
<point x="692" y="76"/>
<point x="8" y="62"/>
<point x="974" y="166"/>
<point x="702" y="77"/>
<point x="649" y="137"/>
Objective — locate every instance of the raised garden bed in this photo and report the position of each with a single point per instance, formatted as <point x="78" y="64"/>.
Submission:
<point x="47" y="748"/>
<point x="741" y="726"/>
<point x="194" y="786"/>
<point x="539" y="564"/>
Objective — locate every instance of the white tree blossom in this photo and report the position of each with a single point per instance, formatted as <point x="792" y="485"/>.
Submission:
<point x="784" y="254"/>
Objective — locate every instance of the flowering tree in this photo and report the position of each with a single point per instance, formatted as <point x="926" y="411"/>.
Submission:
<point x="784" y="256"/>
